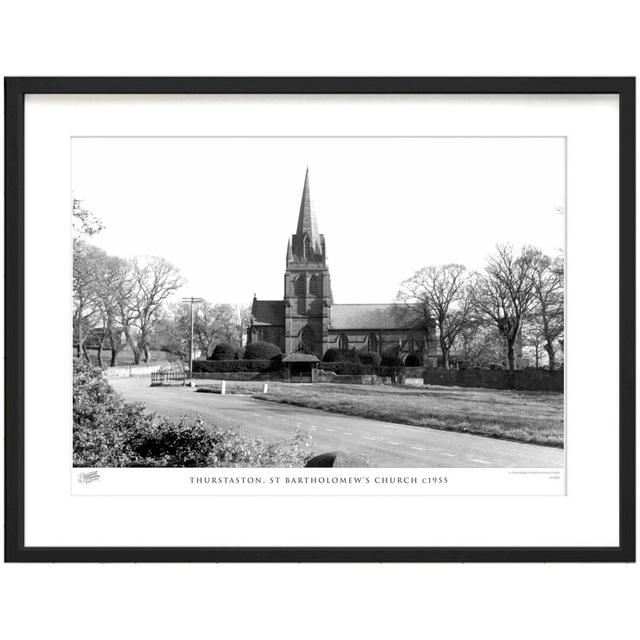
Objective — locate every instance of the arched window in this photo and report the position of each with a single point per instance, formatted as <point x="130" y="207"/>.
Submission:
<point x="307" y="247"/>
<point x="315" y="285"/>
<point x="343" y="342"/>
<point x="307" y="339"/>
<point x="300" y="285"/>
<point x="372" y="343"/>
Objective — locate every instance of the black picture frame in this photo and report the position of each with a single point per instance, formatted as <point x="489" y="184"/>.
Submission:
<point x="15" y="91"/>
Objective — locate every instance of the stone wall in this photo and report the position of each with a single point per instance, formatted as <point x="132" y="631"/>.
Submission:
<point x="520" y="380"/>
<point x="131" y="371"/>
<point x="413" y="382"/>
<point x="318" y="375"/>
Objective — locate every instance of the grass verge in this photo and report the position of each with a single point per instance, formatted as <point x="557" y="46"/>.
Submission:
<point x="531" y="417"/>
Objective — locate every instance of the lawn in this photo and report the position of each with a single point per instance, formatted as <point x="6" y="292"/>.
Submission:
<point x="524" y="416"/>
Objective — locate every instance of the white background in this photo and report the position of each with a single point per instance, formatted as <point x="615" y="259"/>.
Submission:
<point x="329" y="38"/>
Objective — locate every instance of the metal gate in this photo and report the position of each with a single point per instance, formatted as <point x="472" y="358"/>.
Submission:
<point x="160" y="378"/>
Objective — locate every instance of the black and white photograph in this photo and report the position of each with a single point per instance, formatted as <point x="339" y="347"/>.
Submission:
<point x="323" y="301"/>
<point x="321" y="327"/>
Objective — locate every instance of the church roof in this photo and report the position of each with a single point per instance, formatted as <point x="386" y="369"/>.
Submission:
<point x="371" y="316"/>
<point x="268" y="312"/>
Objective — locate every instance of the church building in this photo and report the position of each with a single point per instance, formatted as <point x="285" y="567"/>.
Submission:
<point x="307" y="322"/>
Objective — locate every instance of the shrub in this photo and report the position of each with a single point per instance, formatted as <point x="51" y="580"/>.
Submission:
<point x="340" y="355"/>
<point x="370" y="358"/>
<point x="240" y="366"/>
<point x="224" y="351"/>
<point x="189" y="443"/>
<point x="390" y="358"/>
<point x="108" y="432"/>
<point x="262" y="351"/>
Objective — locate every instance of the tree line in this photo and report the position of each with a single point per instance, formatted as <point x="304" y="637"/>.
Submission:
<point x="477" y="315"/>
<point x="119" y="303"/>
<point x="519" y="295"/>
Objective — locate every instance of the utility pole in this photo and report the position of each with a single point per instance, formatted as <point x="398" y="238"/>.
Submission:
<point x="191" y="301"/>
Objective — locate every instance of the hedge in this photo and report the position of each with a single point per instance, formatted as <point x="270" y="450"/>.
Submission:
<point x="357" y="369"/>
<point x="225" y="366"/>
<point x="340" y="355"/>
<point x="370" y="358"/>
<point x="339" y="368"/>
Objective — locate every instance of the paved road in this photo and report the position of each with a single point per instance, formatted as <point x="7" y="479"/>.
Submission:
<point x="385" y="444"/>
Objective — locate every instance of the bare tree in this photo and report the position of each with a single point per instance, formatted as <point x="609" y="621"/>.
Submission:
<point x="480" y="344"/>
<point x="84" y="222"/>
<point x="244" y="319"/>
<point x="126" y="311"/>
<point x="548" y="284"/>
<point x="114" y="285"/>
<point x="441" y="293"/>
<point x="505" y="292"/>
<point x="86" y="258"/>
<point x="156" y="279"/>
<point x="533" y="338"/>
<point x="214" y="323"/>
<point x="172" y="329"/>
<point x="86" y="302"/>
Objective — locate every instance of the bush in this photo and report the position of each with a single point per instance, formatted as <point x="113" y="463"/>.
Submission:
<point x="340" y="355"/>
<point x="108" y="432"/>
<point x="262" y="351"/>
<point x="370" y="358"/>
<point x="235" y="366"/>
<point x="390" y="358"/>
<point x="224" y="351"/>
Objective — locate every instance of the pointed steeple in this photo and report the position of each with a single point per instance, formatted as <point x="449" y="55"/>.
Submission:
<point x="306" y="245"/>
<point x="307" y="219"/>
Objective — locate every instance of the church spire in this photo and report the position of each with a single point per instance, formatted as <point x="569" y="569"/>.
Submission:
<point x="307" y="218"/>
<point x="306" y="245"/>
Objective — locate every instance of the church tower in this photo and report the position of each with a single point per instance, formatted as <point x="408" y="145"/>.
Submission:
<point x="307" y="287"/>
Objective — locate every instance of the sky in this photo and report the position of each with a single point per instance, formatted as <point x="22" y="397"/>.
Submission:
<point x="222" y="209"/>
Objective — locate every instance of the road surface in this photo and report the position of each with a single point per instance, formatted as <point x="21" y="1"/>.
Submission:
<point x="384" y="444"/>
